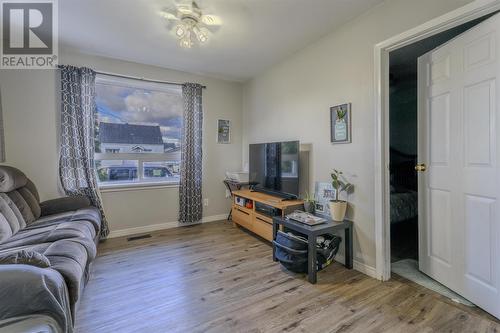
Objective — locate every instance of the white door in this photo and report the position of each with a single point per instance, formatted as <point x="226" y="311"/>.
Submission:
<point x="459" y="143"/>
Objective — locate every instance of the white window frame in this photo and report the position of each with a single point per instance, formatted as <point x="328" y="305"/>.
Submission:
<point x="141" y="158"/>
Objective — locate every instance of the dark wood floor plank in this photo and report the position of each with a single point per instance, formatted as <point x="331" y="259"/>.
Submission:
<point x="215" y="277"/>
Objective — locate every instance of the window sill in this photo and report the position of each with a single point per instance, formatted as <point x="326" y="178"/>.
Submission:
<point x="106" y="188"/>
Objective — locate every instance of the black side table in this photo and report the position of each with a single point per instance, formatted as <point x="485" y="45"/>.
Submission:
<point x="312" y="232"/>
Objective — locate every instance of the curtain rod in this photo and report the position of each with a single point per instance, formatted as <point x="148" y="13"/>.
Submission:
<point x="141" y="78"/>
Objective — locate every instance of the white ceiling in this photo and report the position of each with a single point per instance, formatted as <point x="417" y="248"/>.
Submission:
<point x="255" y="34"/>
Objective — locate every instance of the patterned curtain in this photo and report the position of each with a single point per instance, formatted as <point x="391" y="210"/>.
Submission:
<point x="190" y="201"/>
<point x="2" y="134"/>
<point x="78" y="116"/>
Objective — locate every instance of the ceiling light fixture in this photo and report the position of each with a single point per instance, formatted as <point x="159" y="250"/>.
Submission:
<point x="190" y="24"/>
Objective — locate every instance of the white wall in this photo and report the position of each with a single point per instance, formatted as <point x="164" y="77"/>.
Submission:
<point x="30" y="100"/>
<point x="292" y="99"/>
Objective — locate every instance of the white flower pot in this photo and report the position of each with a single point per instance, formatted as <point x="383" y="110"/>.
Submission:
<point x="337" y="210"/>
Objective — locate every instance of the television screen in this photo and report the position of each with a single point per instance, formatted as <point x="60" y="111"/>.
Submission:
<point x="274" y="167"/>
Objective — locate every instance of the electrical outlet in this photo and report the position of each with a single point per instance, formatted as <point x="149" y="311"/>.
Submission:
<point x="205" y="202"/>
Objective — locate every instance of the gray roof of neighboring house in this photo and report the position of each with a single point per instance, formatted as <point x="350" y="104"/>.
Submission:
<point x="129" y="133"/>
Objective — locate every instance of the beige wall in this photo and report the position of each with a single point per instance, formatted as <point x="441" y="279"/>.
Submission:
<point x="30" y="100"/>
<point x="291" y="101"/>
<point x="31" y="111"/>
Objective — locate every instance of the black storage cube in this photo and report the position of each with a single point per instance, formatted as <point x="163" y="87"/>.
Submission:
<point x="291" y="251"/>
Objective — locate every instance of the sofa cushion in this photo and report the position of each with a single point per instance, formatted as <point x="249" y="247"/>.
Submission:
<point x="32" y="188"/>
<point x="11" y="179"/>
<point x="90" y="214"/>
<point x="5" y="229"/>
<point x="51" y="233"/>
<point x="25" y="257"/>
<point x="21" y="191"/>
<point x="12" y="216"/>
<point x="32" y="201"/>
<point x="22" y="205"/>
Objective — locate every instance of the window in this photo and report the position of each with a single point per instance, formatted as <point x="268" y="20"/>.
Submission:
<point x="138" y="129"/>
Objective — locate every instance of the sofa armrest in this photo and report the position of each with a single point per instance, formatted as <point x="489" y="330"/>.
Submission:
<point x="65" y="204"/>
<point x="27" y="290"/>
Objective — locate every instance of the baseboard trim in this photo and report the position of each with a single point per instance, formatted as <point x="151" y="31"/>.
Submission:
<point x="365" y="269"/>
<point x="160" y="226"/>
<point x="359" y="266"/>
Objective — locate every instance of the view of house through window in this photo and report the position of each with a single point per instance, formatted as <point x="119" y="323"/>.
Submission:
<point x="138" y="129"/>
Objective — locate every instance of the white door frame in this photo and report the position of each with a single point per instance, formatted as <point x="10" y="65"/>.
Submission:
<point x="452" y="19"/>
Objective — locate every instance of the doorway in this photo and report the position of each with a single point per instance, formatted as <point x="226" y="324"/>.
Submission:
<point x="442" y="23"/>
<point x="437" y="115"/>
<point x="404" y="157"/>
<point x="467" y="13"/>
<point x="403" y="140"/>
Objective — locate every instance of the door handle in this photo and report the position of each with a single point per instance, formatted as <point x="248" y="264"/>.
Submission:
<point x="421" y="167"/>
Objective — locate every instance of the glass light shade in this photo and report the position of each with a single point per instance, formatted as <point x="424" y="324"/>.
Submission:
<point x="180" y="30"/>
<point x="201" y="34"/>
<point x="186" y="42"/>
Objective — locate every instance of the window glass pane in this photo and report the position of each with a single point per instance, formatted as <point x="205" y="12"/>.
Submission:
<point x="138" y="119"/>
<point x="161" y="171"/>
<point x="134" y="117"/>
<point x="116" y="171"/>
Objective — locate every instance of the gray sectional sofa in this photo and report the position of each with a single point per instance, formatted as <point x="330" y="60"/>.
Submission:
<point x="46" y="250"/>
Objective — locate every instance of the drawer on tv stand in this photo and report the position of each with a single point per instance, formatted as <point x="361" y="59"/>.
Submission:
<point x="262" y="228"/>
<point x="242" y="216"/>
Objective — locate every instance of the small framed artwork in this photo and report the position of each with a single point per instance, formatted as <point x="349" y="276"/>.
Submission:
<point x="223" y="131"/>
<point x="340" y="123"/>
<point x="324" y="192"/>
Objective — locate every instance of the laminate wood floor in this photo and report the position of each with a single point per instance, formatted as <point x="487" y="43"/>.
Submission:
<point x="215" y="277"/>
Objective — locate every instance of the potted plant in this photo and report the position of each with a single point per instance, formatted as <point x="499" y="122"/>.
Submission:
<point x="338" y="207"/>
<point x="309" y="203"/>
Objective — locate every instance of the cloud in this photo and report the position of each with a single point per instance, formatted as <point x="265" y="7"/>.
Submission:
<point x="112" y="97"/>
<point x="141" y="106"/>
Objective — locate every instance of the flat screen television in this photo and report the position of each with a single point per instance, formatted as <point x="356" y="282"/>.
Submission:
<point x="274" y="168"/>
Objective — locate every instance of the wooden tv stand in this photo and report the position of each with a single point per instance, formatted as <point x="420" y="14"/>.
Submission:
<point x="256" y="222"/>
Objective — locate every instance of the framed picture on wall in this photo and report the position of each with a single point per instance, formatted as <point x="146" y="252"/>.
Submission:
<point x="340" y="123"/>
<point x="223" y="131"/>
